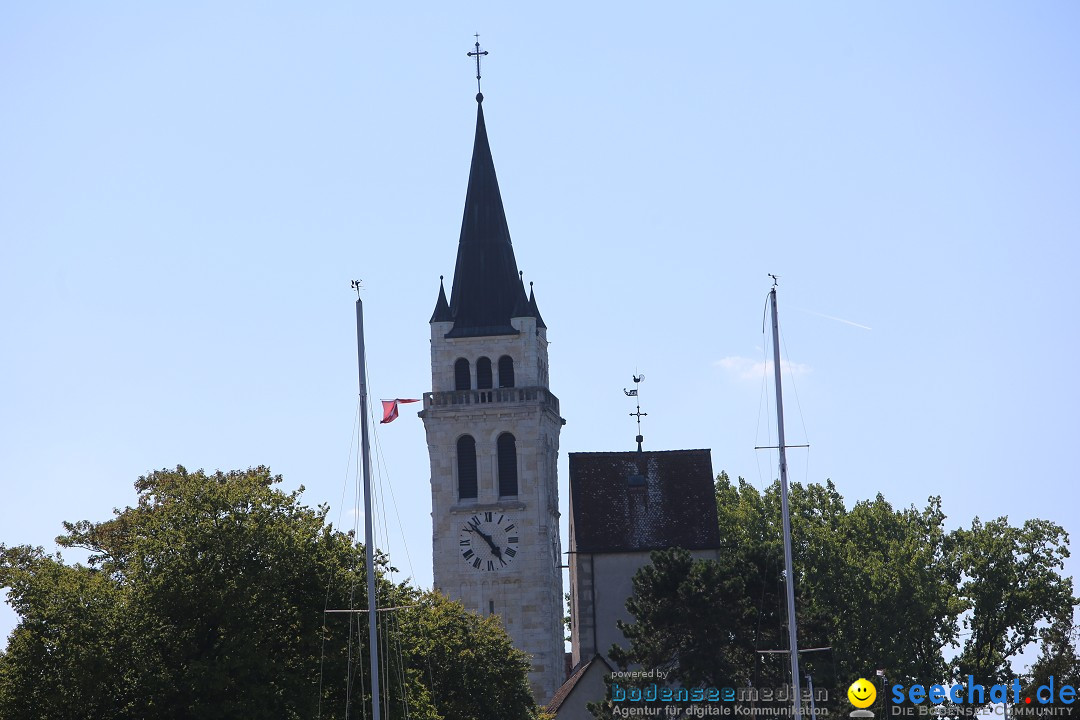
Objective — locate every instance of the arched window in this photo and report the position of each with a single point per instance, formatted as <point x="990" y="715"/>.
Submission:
<point x="483" y="374"/>
<point x="508" y="476"/>
<point x="466" y="467"/>
<point x="506" y="371"/>
<point x="462" y="376"/>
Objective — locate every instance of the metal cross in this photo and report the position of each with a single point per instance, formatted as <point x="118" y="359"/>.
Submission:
<point x="477" y="55"/>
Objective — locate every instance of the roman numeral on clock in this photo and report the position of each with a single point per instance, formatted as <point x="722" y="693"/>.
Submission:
<point x="468" y="554"/>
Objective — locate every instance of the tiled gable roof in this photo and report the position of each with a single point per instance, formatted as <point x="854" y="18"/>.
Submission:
<point x="564" y="691"/>
<point x="639" y="501"/>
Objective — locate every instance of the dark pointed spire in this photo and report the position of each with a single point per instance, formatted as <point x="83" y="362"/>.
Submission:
<point x="521" y="307"/>
<point x="486" y="282"/>
<point x="535" y="311"/>
<point x="442" y="308"/>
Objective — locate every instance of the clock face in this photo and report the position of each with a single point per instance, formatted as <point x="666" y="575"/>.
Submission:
<point x="488" y="541"/>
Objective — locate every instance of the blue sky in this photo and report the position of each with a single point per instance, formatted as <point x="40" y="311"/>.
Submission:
<point x="187" y="189"/>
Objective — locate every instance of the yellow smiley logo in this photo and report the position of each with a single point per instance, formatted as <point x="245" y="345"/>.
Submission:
<point x="862" y="693"/>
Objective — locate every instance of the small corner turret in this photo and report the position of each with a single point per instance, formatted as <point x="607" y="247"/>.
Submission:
<point x="442" y="308"/>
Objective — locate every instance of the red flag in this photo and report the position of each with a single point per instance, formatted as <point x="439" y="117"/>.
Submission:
<point x="390" y="411"/>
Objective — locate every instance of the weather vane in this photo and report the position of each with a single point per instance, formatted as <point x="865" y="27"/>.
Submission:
<point x="477" y="54"/>
<point x="357" y="285"/>
<point x="638" y="379"/>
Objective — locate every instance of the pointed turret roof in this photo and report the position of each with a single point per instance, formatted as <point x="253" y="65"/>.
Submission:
<point x="533" y="310"/>
<point x="487" y="287"/>
<point x="442" y="308"/>
<point x="521" y="307"/>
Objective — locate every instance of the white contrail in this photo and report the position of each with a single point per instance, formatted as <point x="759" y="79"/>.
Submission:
<point x="830" y="317"/>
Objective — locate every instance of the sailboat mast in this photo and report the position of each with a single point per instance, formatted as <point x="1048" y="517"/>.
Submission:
<point x="789" y="576"/>
<point x="369" y="540"/>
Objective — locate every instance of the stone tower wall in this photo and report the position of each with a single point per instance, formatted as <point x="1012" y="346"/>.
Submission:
<point x="527" y="594"/>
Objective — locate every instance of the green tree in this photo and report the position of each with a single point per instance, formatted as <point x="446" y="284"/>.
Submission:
<point x="1058" y="664"/>
<point x="883" y="587"/>
<point x="896" y="606"/>
<point x="70" y="618"/>
<point x="1012" y="585"/>
<point x="874" y="583"/>
<point x="467" y="662"/>
<point x="690" y="615"/>
<point x="206" y="600"/>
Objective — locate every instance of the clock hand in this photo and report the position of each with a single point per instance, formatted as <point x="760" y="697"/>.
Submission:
<point x="476" y="529"/>
<point x="495" y="550"/>
<point x="491" y="543"/>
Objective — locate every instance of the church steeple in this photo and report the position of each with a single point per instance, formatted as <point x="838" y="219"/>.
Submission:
<point x="493" y="427"/>
<point x="487" y="287"/>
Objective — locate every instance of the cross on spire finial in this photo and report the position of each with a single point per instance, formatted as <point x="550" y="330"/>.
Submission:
<point x="477" y="54"/>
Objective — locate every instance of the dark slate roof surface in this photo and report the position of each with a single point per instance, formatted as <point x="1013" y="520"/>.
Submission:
<point x="675" y="506"/>
<point x="521" y="307"/>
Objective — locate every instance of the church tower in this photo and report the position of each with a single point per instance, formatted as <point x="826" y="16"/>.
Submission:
<point x="493" y="437"/>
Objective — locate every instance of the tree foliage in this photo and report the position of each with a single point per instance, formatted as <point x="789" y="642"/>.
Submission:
<point x="876" y="584"/>
<point x="1058" y="664"/>
<point x="206" y="600"/>
<point x="1011" y="586"/>
<point x="671" y="596"/>
<point x="883" y="587"/>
